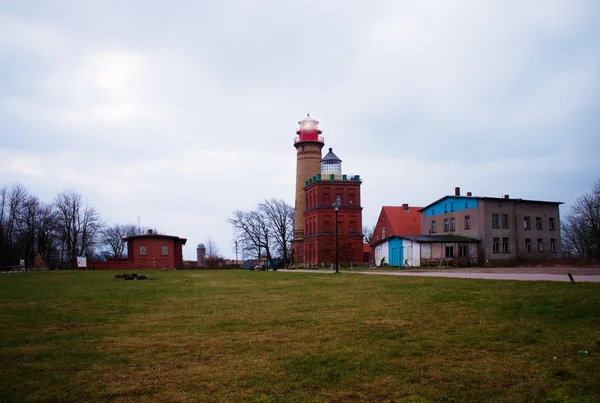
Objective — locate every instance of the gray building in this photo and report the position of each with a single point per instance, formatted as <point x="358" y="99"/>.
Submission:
<point x="507" y="228"/>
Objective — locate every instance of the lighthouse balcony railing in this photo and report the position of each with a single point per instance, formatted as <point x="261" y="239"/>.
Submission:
<point x="309" y="137"/>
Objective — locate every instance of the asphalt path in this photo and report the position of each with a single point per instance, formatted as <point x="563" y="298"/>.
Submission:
<point x="538" y="275"/>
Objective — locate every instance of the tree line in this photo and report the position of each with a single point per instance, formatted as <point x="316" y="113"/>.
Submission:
<point x="58" y="231"/>
<point x="266" y="231"/>
<point x="581" y="227"/>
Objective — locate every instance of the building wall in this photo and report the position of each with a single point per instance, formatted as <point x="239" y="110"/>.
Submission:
<point x="515" y="232"/>
<point x="154" y="258"/>
<point x="412" y="253"/>
<point x="482" y="226"/>
<point x="458" y="210"/>
<point x="382" y="253"/>
<point x="109" y="264"/>
<point x="308" y="164"/>
<point x="320" y="220"/>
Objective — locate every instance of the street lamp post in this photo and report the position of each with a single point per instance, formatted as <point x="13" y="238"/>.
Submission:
<point x="236" y="255"/>
<point x="336" y="207"/>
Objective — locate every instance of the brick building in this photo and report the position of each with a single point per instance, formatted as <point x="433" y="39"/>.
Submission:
<point x="154" y="251"/>
<point x="320" y="184"/>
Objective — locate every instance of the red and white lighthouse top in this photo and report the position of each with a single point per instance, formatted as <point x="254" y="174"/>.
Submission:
<point x="308" y="131"/>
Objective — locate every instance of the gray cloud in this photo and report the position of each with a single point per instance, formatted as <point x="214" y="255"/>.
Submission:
<point x="182" y="114"/>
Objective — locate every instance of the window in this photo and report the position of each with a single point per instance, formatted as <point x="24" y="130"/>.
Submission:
<point x="449" y="251"/>
<point x="496" y="245"/>
<point x="504" y="220"/>
<point x="142" y="250"/>
<point x="164" y="250"/>
<point x="528" y="245"/>
<point x="538" y="223"/>
<point x="462" y="251"/>
<point x="505" y="245"/>
<point x="338" y="199"/>
<point x="446" y="225"/>
<point x="452" y="224"/>
<point x="433" y="229"/>
<point x="553" y="245"/>
<point x="552" y="224"/>
<point x="383" y="233"/>
<point x="540" y="245"/>
<point x="467" y="222"/>
<point x="527" y="223"/>
<point x="446" y="208"/>
<point x="451" y="206"/>
<point x="495" y="219"/>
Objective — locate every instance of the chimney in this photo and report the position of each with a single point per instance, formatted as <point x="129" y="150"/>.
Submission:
<point x="469" y="194"/>
<point x="405" y="207"/>
<point x="457" y="191"/>
<point x="149" y="231"/>
<point x="506" y="197"/>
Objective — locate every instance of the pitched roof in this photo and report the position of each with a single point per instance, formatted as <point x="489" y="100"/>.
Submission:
<point x="403" y="221"/>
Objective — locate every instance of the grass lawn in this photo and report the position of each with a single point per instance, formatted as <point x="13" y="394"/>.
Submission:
<point x="278" y="337"/>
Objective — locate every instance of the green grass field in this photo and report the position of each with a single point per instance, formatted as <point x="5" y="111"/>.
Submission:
<point x="278" y="337"/>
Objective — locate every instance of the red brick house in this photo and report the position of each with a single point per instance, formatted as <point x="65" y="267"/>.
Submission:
<point x="154" y="251"/>
<point x="395" y="221"/>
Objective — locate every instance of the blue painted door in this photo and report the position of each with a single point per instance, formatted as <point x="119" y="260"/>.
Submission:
<point x="395" y="258"/>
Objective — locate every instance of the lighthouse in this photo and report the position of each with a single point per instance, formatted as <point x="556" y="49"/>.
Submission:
<point x="308" y="143"/>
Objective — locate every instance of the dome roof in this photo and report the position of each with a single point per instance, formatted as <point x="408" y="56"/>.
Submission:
<point x="308" y="122"/>
<point x="331" y="158"/>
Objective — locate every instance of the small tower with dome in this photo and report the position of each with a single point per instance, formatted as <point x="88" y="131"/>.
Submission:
<point x="331" y="163"/>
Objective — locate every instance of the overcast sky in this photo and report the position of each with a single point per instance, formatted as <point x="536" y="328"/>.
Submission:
<point x="181" y="112"/>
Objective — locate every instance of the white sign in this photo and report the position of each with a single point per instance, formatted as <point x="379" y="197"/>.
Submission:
<point x="22" y="262"/>
<point x="81" y="261"/>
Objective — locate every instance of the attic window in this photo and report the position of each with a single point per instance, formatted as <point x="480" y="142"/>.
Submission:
<point x="383" y="233"/>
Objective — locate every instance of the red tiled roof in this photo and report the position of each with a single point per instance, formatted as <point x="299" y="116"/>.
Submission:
<point x="402" y="222"/>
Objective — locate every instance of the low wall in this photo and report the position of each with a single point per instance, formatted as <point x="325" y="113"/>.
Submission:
<point x="110" y="264"/>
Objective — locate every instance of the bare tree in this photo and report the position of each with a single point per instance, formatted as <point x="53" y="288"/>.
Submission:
<point x="48" y="235"/>
<point x="280" y="220"/>
<point x="112" y="238"/>
<point x="212" y="255"/>
<point x="79" y="225"/>
<point x="581" y="229"/>
<point x="12" y="202"/>
<point x="253" y="232"/>
<point x="26" y="227"/>
<point x="368" y="233"/>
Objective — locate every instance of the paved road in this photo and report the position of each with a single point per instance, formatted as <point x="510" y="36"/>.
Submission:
<point x="537" y="275"/>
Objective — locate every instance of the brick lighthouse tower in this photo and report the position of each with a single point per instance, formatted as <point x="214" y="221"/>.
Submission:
<point x="308" y="143"/>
